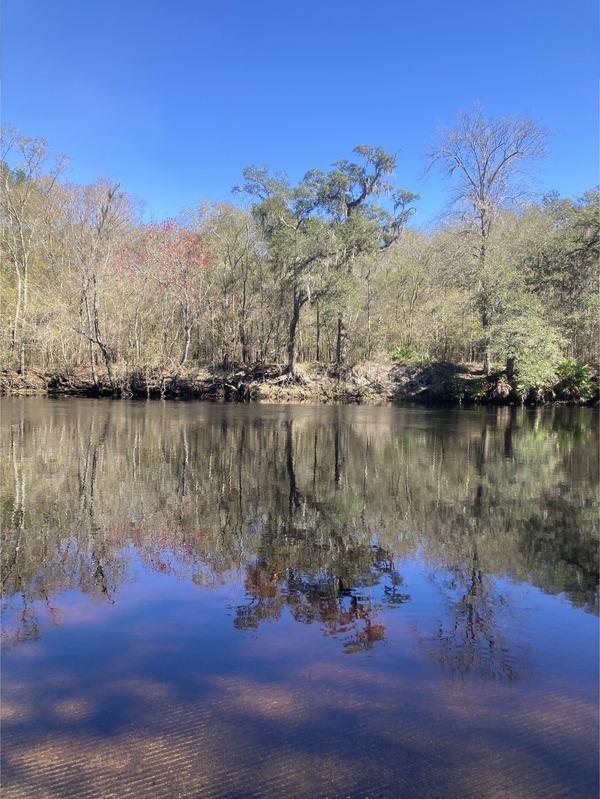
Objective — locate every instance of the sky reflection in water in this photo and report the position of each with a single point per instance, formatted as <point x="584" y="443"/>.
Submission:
<point x="270" y="601"/>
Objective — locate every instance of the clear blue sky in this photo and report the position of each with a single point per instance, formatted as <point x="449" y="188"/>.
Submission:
<point x="175" y="98"/>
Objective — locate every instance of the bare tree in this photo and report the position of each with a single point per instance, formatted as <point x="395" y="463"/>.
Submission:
<point x="175" y="259"/>
<point x="28" y="178"/>
<point x="232" y="239"/>
<point x="98" y="217"/>
<point x="489" y="160"/>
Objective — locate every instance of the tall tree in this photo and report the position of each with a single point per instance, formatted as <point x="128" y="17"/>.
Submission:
<point x="28" y="177"/>
<point x="98" y="218"/>
<point x="562" y="268"/>
<point x="298" y="242"/>
<point x="231" y="237"/>
<point x="489" y="160"/>
<point x="342" y="195"/>
<point x="317" y="230"/>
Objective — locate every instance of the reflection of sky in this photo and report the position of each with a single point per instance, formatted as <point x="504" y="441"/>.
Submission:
<point x="241" y="646"/>
<point x="159" y="621"/>
<point x="162" y="666"/>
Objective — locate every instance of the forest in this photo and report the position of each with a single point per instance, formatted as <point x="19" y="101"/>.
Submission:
<point x="330" y="271"/>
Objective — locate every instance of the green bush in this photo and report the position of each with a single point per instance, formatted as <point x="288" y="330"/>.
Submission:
<point x="408" y="354"/>
<point x="575" y="381"/>
<point x="535" y="374"/>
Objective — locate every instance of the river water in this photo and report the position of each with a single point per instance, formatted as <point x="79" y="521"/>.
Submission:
<point x="221" y="601"/>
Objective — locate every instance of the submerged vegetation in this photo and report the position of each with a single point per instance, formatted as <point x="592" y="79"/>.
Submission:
<point x="324" y="290"/>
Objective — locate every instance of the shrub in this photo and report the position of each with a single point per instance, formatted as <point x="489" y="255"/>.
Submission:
<point x="575" y="381"/>
<point x="535" y="373"/>
<point x="408" y="354"/>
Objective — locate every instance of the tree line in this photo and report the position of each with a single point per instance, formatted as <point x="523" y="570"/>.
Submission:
<point x="327" y="270"/>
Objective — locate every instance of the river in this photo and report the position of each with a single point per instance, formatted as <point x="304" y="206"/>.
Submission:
<point x="210" y="601"/>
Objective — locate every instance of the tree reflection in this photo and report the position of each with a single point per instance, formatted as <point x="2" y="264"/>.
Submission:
<point x="40" y="560"/>
<point x="471" y="644"/>
<point x="344" y="613"/>
<point x="24" y="623"/>
<point x="347" y="608"/>
<point x="24" y="618"/>
<point x="293" y="499"/>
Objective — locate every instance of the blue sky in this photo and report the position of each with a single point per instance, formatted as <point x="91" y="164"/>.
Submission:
<point x="175" y="99"/>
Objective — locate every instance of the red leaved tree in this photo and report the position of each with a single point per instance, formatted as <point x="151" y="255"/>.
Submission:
<point x="176" y="259"/>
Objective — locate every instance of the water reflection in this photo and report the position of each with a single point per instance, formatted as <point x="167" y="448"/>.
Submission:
<point x="313" y="505"/>
<point x="472" y="643"/>
<point x="340" y="599"/>
<point x="273" y="601"/>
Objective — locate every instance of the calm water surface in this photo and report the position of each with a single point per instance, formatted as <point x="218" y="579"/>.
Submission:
<point x="272" y="601"/>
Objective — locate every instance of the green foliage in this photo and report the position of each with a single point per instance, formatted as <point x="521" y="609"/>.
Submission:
<point x="561" y="261"/>
<point x="325" y="268"/>
<point x="575" y="381"/>
<point x="408" y="354"/>
<point x="517" y="331"/>
<point x="342" y="196"/>
<point x="535" y="374"/>
<point x="476" y="390"/>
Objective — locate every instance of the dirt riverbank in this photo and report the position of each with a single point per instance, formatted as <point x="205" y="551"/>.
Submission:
<point x="361" y="383"/>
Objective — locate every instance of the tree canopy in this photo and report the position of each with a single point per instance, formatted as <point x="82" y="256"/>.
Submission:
<point x="331" y="269"/>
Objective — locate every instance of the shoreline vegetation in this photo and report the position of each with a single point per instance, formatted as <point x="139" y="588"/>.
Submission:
<point x="368" y="383"/>
<point x="320" y="291"/>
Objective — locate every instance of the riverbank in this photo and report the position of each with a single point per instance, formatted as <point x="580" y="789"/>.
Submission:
<point x="362" y="383"/>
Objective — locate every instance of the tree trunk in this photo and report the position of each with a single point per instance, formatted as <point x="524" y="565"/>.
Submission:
<point x="487" y="368"/>
<point x="485" y="317"/>
<point x="243" y="333"/>
<point x="98" y="337"/>
<point x="487" y="356"/>
<point x="369" y="333"/>
<point x="90" y="335"/>
<point x="299" y="300"/>
<point x="342" y="335"/>
<point x="14" y="338"/>
<point x="318" y="341"/>
<point x="23" y="318"/>
<point x="187" y="332"/>
<point x="244" y="339"/>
